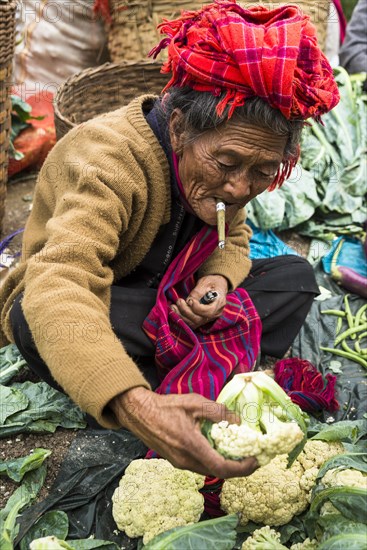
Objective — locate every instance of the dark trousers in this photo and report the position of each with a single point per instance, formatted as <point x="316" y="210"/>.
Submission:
<point x="282" y="290"/>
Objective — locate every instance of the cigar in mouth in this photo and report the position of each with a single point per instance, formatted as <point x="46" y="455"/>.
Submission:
<point x="221" y="222"/>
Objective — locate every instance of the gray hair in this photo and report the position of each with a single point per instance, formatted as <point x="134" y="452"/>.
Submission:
<point x="200" y="115"/>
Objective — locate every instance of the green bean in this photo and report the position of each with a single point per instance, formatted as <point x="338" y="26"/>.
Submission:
<point x="334" y="312"/>
<point x="347" y="348"/>
<point x="359" y="350"/>
<point x="349" y="314"/>
<point x="359" y="314"/>
<point x="352" y="356"/>
<point x="339" y="325"/>
<point x="349" y="332"/>
<point x="363" y="351"/>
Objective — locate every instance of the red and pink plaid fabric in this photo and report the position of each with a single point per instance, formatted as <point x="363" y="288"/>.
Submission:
<point x="271" y="54"/>
<point x="200" y="361"/>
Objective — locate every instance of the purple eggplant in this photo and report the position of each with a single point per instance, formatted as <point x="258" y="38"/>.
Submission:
<point x="350" y="279"/>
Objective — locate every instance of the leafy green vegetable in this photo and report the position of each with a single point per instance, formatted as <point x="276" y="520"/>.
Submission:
<point x="350" y="501"/>
<point x="36" y="407"/>
<point x="51" y="530"/>
<point x="352" y="541"/>
<point x="344" y="430"/>
<point x="325" y="194"/>
<point x="11" y="402"/>
<point x="20" y="118"/>
<point x="347" y="460"/>
<point x="89" y="544"/>
<point x="53" y="543"/>
<point x="16" y="468"/>
<point x="335" y="524"/>
<point x="55" y="522"/>
<point x="218" y="533"/>
<point x="11" y="362"/>
<point x="49" y="543"/>
<point x="359" y="447"/>
<point x="22" y="497"/>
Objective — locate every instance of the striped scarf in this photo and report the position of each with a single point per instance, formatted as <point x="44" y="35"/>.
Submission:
<point x="200" y="361"/>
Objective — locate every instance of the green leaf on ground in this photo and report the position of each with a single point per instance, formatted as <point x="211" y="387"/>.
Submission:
<point x="16" y="468"/>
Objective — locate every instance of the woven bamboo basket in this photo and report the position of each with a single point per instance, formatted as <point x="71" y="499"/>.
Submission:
<point x="7" y="42"/>
<point x="316" y="10"/>
<point x="133" y="30"/>
<point x="319" y="13"/>
<point x="100" y="90"/>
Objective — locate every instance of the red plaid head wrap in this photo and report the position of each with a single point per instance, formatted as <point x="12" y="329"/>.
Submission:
<point x="271" y="54"/>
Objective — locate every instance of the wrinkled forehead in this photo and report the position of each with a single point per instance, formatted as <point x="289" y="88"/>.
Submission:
<point x="240" y="139"/>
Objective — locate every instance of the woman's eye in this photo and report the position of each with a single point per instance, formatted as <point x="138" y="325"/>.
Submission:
<point x="227" y="167"/>
<point x="266" y="175"/>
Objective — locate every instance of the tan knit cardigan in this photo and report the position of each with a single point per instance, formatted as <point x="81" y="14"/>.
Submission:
<point x="99" y="201"/>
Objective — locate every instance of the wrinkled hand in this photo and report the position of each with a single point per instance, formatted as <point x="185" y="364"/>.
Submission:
<point x="196" y="314"/>
<point x="170" y="425"/>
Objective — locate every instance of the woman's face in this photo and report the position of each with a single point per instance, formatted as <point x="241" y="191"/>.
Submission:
<point x="234" y="163"/>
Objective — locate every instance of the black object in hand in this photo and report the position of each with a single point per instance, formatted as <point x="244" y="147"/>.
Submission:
<point x="209" y="297"/>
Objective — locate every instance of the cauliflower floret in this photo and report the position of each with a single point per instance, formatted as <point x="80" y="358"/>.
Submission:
<point x="346" y="478"/>
<point x="236" y="441"/>
<point x="312" y="457"/>
<point x="316" y="452"/>
<point x="153" y="497"/>
<point x="272" y="495"/>
<point x="264" y="538"/>
<point x="308" y="480"/>
<point x="282" y="440"/>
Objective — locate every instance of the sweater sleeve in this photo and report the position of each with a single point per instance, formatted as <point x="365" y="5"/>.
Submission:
<point x="233" y="261"/>
<point x="67" y="282"/>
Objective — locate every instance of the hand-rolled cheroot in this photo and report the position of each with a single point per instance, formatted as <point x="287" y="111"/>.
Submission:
<point x="221" y="223"/>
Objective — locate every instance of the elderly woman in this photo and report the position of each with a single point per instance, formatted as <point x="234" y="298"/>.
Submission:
<point x="120" y="247"/>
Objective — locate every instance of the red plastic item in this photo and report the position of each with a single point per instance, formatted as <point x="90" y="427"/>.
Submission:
<point x="36" y="141"/>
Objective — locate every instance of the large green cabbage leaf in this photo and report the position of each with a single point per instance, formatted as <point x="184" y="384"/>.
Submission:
<point x="325" y="194"/>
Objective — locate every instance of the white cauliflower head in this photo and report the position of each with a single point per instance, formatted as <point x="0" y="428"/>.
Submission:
<point x="242" y="441"/>
<point x="316" y="452"/>
<point x="345" y="478"/>
<point x="271" y="424"/>
<point x="153" y="496"/>
<point x="312" y="457"/>
<point x="272" y="495"/>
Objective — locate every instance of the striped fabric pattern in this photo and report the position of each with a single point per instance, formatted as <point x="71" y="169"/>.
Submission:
<point x="200" y="361"/>
<point x="256" y="52"/>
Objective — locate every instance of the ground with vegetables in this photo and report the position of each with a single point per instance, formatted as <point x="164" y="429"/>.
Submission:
<point x="18" y="203"/>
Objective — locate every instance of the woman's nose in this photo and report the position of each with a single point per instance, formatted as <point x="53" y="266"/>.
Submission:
<point x="238" y="186"/>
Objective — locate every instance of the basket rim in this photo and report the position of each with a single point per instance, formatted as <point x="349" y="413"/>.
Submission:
<point x="90" y="72"/>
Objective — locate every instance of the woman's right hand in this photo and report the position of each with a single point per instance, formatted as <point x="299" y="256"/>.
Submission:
<point x="170" y="425"/>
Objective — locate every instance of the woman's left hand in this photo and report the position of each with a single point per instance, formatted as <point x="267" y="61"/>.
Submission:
<point x="196" y="314"/>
